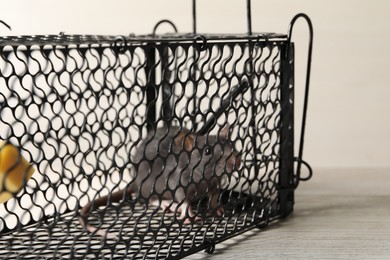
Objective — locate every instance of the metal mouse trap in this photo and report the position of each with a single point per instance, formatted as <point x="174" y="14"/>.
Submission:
<point x="145" y="146"/>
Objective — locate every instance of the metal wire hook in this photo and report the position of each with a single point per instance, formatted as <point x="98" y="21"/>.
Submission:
<point x="120" y="43"/>
<point x="298" y="175"/>
<point x="307" y="83"/>
<point x="6" y="25"/>
<point x="262" y="36"/>
<point x="202" y="38"/>
<point x="164" y="21"/>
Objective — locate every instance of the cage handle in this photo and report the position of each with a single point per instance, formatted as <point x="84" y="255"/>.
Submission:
<point x="299" y="159"/>
<point x="248" y="11"/>
<point x="165" y="21"/>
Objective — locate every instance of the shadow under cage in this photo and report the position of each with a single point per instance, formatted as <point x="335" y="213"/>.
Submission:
<point x="168" y="143"/>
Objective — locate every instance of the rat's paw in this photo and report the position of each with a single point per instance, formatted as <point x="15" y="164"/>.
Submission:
<point x="217" y="211"/>
<point x="220" y="211"/>
<point x="191" y="220"/>
<point x="187" y="214"/>
<point x="168" y="205"/>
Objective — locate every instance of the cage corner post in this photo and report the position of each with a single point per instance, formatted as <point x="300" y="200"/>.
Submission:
<point x="286" y="175"/>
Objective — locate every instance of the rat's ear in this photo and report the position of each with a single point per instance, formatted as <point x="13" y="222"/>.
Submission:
<point x="186" y="139"/>
<point x="224" y="131"/>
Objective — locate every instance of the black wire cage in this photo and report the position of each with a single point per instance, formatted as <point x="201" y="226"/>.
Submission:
<point x="202" y="125"/>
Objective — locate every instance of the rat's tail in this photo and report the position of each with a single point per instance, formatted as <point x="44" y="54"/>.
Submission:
<point x="94" y="204"/>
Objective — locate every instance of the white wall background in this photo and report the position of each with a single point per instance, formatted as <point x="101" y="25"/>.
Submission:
<point x="348" y="123"/>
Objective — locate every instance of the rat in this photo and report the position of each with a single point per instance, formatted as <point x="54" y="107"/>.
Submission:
<point x="175" y="167"/>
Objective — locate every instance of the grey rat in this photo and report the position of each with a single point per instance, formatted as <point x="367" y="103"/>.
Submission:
<point x="174" y="167"/>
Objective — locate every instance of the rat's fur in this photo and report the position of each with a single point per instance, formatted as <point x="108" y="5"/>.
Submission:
<point x="174" y="168"/>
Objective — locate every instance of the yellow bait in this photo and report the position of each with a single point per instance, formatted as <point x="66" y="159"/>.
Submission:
<point x="15" y="171"/>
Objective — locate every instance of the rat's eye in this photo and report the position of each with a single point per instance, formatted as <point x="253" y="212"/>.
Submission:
<point x="207" y="151"/>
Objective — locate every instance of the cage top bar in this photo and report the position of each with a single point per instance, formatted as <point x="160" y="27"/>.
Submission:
<point x="64" y="40"/>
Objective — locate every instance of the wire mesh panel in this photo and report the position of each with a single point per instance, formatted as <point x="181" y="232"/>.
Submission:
<point x="196" y="131"/>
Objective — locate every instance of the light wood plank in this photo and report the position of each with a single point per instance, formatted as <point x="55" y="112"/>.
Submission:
<point x="339" y="214"/>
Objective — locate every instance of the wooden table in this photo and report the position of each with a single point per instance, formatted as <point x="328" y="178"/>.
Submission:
<point x="338" y="214"/>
